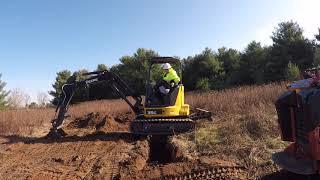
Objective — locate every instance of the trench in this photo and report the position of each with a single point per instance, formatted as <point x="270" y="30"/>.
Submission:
<point x="161" y="150"/>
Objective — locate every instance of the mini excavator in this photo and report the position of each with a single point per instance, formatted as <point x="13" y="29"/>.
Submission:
<point x="152" y="118"/>
<point x="299" y="122"/>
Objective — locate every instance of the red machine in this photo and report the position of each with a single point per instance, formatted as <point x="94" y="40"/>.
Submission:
<point x="299" y="120"/>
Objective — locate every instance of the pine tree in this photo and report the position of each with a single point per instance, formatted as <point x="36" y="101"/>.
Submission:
<point x="61" y="78"/>
<point x="292" y="72"/>
<point x="3" y="94"/>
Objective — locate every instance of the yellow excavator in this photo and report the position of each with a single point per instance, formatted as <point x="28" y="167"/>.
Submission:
<point x="169" y="117"/>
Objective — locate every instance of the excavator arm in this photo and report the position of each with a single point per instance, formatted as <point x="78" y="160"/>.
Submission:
<point x="69" y="88"/>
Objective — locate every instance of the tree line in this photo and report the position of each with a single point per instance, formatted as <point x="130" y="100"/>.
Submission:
<point x="289" y="54"/>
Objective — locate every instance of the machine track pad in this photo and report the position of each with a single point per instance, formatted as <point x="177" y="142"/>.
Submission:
<point x="290" y="163"/>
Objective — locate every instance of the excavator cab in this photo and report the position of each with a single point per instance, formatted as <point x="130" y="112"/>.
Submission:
<point x="161" y="105"/>
<point x="165" y="114"/>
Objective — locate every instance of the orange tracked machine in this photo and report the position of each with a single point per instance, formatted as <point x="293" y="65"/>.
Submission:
<point x="299" y="121"/>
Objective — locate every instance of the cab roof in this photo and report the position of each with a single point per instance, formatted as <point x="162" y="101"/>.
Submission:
<point x="162" y="60"/>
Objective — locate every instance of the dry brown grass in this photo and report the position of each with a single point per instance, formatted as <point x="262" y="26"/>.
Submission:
<point x="244" y="127"/>
<point x="105" y="106"/>
<point x="237" y="100"/>
<point x="23" y="121"/>
<point x="26" y="121"/>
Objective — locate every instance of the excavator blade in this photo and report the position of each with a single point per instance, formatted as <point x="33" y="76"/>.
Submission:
<point x="293" y="164"/>
<point x="200" y="114"/>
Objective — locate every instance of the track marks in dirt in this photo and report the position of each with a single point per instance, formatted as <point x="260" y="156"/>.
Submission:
<point x="68" y="160"/>
<point x="92" y="150"/>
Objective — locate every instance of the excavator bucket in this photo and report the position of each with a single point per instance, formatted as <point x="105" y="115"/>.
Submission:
<point x="56" y="134"/>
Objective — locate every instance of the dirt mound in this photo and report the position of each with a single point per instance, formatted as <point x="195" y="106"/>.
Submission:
<point x="91" y="120"/>
<point x="97" y="122"/>
<point x="124" y="118"/>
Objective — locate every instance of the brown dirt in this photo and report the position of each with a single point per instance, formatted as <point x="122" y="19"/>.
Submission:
<point x="97" y="147"/>
<point x="96" y="122"/>
<point x="67" y="159"/>
<point x="88" y="152"/>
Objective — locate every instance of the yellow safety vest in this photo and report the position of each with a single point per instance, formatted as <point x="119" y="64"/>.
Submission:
<point x="171" y="76"/>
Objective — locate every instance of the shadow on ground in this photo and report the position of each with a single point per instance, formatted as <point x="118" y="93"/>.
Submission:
<point x="102" y="136"/>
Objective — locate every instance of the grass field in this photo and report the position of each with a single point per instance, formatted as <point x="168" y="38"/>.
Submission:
<point x="244" y="127"/>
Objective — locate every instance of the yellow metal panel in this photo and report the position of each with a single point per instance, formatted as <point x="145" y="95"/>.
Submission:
<point x="179" y="109"/>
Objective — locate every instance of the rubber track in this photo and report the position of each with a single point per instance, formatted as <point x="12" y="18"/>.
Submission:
<point x="181" y="125"/>
<point x="164" y="120"/>
<point x="266" y="168"/>
<point x="218" y="172"/>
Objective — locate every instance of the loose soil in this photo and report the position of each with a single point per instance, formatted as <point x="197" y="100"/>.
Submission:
<point x="98" y="146"/>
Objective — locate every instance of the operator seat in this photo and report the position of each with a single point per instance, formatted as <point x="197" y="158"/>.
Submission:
<point x="162" y="100"/>
<point x="171" y="97"/>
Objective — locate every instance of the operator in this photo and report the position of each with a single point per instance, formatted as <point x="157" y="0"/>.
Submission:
<point x="170" y="79"/>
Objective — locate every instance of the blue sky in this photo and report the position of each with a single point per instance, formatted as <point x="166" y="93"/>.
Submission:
<point x="39" y="38"/>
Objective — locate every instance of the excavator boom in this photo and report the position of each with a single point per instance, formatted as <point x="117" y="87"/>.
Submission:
<point x="68" y="89"/>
